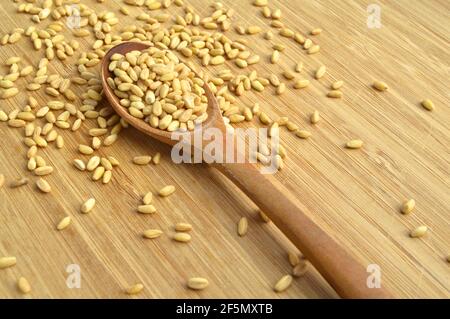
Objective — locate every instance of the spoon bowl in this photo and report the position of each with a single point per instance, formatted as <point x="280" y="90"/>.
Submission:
<point x="214" y="115"/>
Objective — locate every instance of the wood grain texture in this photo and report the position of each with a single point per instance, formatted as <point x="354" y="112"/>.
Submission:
<point x="354" y="195"/>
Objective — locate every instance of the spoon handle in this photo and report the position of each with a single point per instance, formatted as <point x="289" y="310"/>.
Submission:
<point x="342" y="271"/>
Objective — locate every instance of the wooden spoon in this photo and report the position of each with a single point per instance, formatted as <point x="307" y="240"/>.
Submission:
<point x="344" y="273"/>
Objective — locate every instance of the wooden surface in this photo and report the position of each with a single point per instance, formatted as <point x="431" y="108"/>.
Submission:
<point x="353" y="194"/>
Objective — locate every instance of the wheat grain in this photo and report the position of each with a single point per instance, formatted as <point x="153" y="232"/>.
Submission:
<point x="380" y="86"/>
<point x="408" y="206"/>
<point x="182" y="237"/>
<point x="152" y="233"/>
<point x="6" y="262"/>
<point x="19" y="182"/>
<point x="166" y="190"/>
<point x="300" y="269"/>
<point x="43" y="185"/>
<point x="419" y="232"/>
<point x="146" y="209"/>
<point x="88" y="205"/>
<point x="64" y="223"/>
<point x="320" y="72"/>
<point x="23" y="285"/>
<point x="315" y="117"/>
<point x="283" y="283"/>
<point x="183" y="227"/>
<point x="242" y="226"/>
<point x="428" y="105"/>
<point x="134" y="289"/>
<point x="294" y="259"/>
<point x="303" y="134"/>
<point x="197" y="283"/>
<point x="142" y="160"/>
<point x="354" y="144"/>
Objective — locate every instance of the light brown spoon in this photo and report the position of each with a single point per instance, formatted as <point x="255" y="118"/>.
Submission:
<point x="344" y="273"/>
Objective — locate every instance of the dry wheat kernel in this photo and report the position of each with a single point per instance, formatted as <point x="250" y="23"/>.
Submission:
<point x="281" y="89"/>
<point x="300" y="269"/>
<point x="85" y="149"/>
<point x="17" y="123"/>
<point x="166" y="190"/>
<point x="274" y="129"/>
<point x="63" y="223"/>
<point x="315" y="117"/>
<point x="279" y="47"/>
<point x="275" y="57"/>
<point x="268" y="35"/>
<point x="31" y="165"/>
<point x="88" y="205"/>
<point x="307" y="44"/>
<point x="106" y="164"/>
<point x="337" y="85"/>
<point x="316" y="31"/>
<point x="288" y="33"/>
<point x="152" y="233"/>
<point x="23" y="285"/>
<point x="300" y="84"/>
<point x="291" y="126"/>
<point x="19" y="182"/>
<point x="96" y="143"/>
<point x="335" y="94"/>
<point x="2" y="180"/>
<point x="298" y="67"/>
<point x="156" y="158"/>
<point x="320" y="72"/>
<point x="98" y="173"/>
<point x="93" y="163"/>
<point x="283" y="283"/>
<point x="197" y="283"/>
<point x="43" y="170"/>
<point x="113" y="161"/>
<point x="43" y="185"/>
<point x="294" y="258"/>
<point x="380" y="86"/>
<point x="110" y="139"/>
<point x="147" y="198"/>
<point x="253" y="29"/>
<point x="354" y="144"/>
<point x="418" y="232"/>
<point x="182" y="237"/>
<point x="276" y="14"/>
<point x="303" y="134"/>
<point x="142" y="160"/>
<point x="408" y="206"/>
<point x="288" y="75"/>
<point x="146" y="209"/>
<point x="264" y="118"/>
<point x="242" y="226"/>
<point x="260" y="3"/>
<point x="314" y="49"/>
<point x="134" y="289"/>
<point x="79" y="164"/>
<point x="107" y="175"/>
<point x="3" y="116"/>
<point x="428" y="105"/>
<point x="6" y="262"/>
<point x="279" y="164"/>
<point x="183" y="227"/>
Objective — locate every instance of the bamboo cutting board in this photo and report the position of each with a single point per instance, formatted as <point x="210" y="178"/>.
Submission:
<point x="354" y="195"/>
